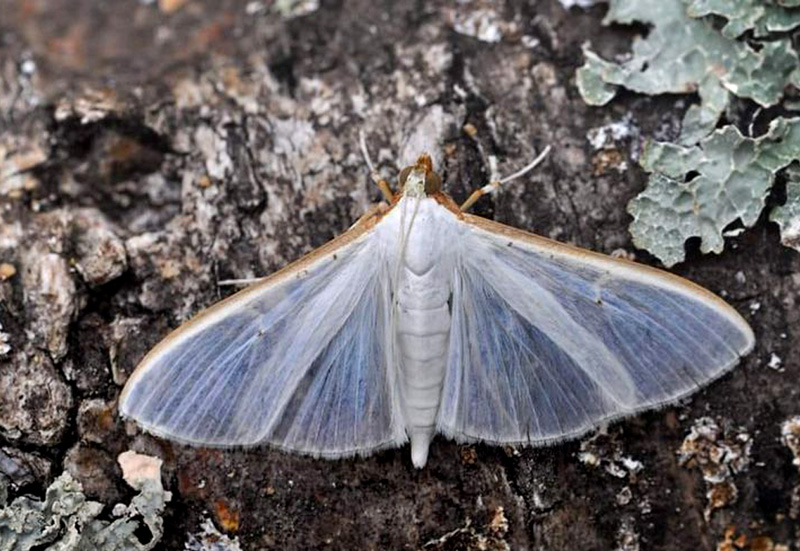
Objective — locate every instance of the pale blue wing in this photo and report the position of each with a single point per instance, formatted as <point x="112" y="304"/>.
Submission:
<point x="300" y="361"/>
<point x="548" y="341"/>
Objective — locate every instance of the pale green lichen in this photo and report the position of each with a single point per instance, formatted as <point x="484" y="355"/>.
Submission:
<point x="761" y="17"/>
<point x="787" y="216"/>
<point x="682" y="54"/>
<point x="67" y="521"/>
<point x="696" y="191"/>
<point x="709" y="178"/>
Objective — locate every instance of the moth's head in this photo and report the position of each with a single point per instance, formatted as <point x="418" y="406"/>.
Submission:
<point x="419" y="179"/>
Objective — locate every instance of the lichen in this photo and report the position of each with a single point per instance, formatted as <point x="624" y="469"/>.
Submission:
<point x="491" y="536"/>
<point x="67" y="521"/>
<point x="761" y="17"/>
<point x="579" y="3"/>
<point x="719" y="453"/>
<point x="608" y="135"/>
<point x="698" y="190"/>
<point x="682" y="54"/>
<point x="702" y="183"/>
<point x="787" y="216"/>
<point x="5" y="347"/>
<point x="627" y="536"/>
<point x="211" y="539"/>
<point x="790" y="433"/>
<point x="605" y="451"/>
<point x="296" y="8"/>
<point x="479" y="20"/>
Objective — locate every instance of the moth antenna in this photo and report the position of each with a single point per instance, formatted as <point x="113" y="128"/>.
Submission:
<point x="382" y="184"/>
<point x="492" y="186"/>
<point x="362" y="142"/>
<point x="525" y="170"/>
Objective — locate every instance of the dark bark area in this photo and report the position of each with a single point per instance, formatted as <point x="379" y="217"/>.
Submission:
<point x="147" y="153"/>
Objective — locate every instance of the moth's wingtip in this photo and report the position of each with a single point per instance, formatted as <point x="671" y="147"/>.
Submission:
<point x="124" y="403"/>
<point x="750" y="340"/>
<point x="749" y="346"/>
<point x="748" y="335"/>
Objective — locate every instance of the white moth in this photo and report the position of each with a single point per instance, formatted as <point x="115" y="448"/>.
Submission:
<point x="423" y="319"/>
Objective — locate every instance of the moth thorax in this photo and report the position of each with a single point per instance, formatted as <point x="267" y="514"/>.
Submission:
<point x="419" y="180"/>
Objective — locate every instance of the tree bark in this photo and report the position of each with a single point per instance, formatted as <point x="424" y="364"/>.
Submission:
<point x="149" y="150"/>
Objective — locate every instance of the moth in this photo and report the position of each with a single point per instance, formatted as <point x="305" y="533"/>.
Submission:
<point x="423" y="319"/>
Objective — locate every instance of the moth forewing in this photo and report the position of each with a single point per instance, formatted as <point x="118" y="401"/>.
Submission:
<point x="570" y="339"/>
<point x="230" y="304"/>
<point x="252" y="369"/>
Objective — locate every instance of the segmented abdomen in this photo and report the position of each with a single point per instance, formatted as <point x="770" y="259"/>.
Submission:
<point x="423" y="328"/>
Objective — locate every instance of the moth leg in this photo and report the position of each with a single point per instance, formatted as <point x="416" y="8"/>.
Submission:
<point x="480" y="192"/>
<point x="382" y="184"/>
<point x="494" y="184"/>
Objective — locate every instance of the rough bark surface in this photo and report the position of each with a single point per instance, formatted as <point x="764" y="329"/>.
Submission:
<point x="149" y="150"/>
